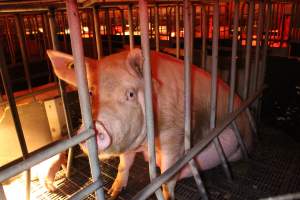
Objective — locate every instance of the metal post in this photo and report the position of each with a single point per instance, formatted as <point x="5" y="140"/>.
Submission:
<point x="192" y="31"/>
<point x="143" y="13"/>
<point x="23" y="49"/>
<point x="177" y="32"/>
<point x="15" y="115"/>
<point x="233" y="75"/>
<point x="97" y="32"/>
<point x="51" y="15"/>
<point x="204" y="35"/>
<point x="187" y="94"/>
<point x="156" y="16"/>
<point x="248" y="49"/>
<point x="213" y="98"/>
<point x="131" y="38"/>
<point x="123" y="27"/>
<point x="77" y="49"/>
<point x="108" y="29"/>
<point x="2" y="194"/>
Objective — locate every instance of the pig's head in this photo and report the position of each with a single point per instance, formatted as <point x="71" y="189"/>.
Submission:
<point x="117" y="96"/>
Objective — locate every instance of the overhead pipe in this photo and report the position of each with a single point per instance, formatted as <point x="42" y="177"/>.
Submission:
<point x="84" y="100"/>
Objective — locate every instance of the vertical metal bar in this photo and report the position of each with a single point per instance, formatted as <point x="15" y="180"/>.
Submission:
<point x="2" y="194"/>
<point x="177" y="31"/>
<point x="51" y="15"/>
<point x="248" y="49"/>
<point x="14" y="112"/>
<point x="204" y="36"/>
<point x="233" y="75"/>
<point x="108" y="28"/>
<point x="123" y="27"/>
<point x="192" y="31"/>
<point x="131" y="37"/>
<point x="156" y="16"/>
<point x="77" y="49"/>
<point x="257" y="49"/>
<point x="187" y="94"/>
<point x="213" y="97"/>
<point x="23" y="49"/>
<point x="144" y="23"/>
<point x="97" y="32"/>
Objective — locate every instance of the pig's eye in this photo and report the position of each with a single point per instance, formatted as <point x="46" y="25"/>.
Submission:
<point x="130" y="94"/>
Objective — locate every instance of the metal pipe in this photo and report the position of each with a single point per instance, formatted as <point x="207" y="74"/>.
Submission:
<point x="2" y="193"/>
<point x="258" y="41"/>
<point x="97" y="32"/>
<point x="181" y="162"/>
<point x="123" y="27"/>
<point x="233" y="75"/>
<point x="108" y="29"/>
<point x="156" y="17"/>
<point x="41" y="155"/>
<point x="51" y="15"/>
<point x="143" y="14"/>
<point x="214" y="79"/>
<point x="86" y="191"/>
<point x="248" y="49"/>
<point x="77" y="49"/>
<point x="192" y="31"/>
<point x="187" y="94"/>
<point x="177" y="31"/>
<point x="131" y="36"/>
<point x="22" y="44"/>
<point x="204" y="36"/>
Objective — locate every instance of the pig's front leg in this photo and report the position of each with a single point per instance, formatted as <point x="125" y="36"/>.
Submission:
<point x="126" y="161"/>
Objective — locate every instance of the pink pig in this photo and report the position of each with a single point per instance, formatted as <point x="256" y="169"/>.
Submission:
<point x="117" y="87"/>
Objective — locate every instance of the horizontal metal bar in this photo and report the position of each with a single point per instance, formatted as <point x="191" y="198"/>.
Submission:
<point x="157" y="182"/>
<point x="86" y="190"/>
<point x="44" y="154"/>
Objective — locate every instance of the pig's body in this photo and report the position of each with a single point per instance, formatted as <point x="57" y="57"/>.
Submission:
<point x="117" y="86"/>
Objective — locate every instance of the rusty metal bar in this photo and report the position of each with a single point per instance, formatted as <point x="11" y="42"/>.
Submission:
<point x="187" y="94"/>
<point x="22" y="44"/>
<point x="213" y="97"/>
<point x="156" y="17"/>
<point x="41" y="155"/>
<point x="2" y="194"/>
<point x="233" y="76"/>
<point x="200" y="146"/>
<point x="144" y="22"/>
<point x="14" y="112"/>
<point x="85" y="106"/>
<point x="130" y="22"/>
<point x="248" y="49"/>
<point x="204" y="37"/>
<point x="97" y="32"/>
<point x="177" y="31"/>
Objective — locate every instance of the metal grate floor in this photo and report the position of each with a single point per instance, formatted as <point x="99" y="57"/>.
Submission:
<point x="273" y="169"/>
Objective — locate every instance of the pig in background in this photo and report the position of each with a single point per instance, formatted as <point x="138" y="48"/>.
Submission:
<point x="116" y="85"/>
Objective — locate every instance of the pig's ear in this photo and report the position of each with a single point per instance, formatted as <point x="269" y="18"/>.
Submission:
<point x="135" y="60"/>
<point x="63" y="65"/>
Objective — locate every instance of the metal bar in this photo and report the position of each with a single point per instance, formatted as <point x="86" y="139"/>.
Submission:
<point x="77" y="50"/>
<point x="187" y="94"/>
<point x="108" y="29"/>
<point x="143" y="14"/>
<point x="181" y="162"/>
<point x="97" y="32"/>
<point x="258" y="41"/>
<point x="131" y="36"/>
<point x="192" y="31"/>
<point x="204" y="36"/>
<point x="41" y="155"/>
<point x="233" y="75"/>
<point x="123" y="27"/>
<point x="177" y="31"/>
<point x="2" y="194"/>
<point x="248" y="49"/>
<point x="156" y="17"/>
<point x="51" y="16"/>
<point x="86" y="191"/>
<point x="22" y="44"/>
<point x="214" y="79"/>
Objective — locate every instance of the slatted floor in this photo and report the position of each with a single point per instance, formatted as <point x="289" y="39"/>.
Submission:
<point x="274" y="169"/>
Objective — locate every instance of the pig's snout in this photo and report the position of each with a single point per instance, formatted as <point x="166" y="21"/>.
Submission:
<point x="102" y="135"/>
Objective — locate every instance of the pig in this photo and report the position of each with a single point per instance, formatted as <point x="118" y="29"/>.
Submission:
<point x="116" y="85"/>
